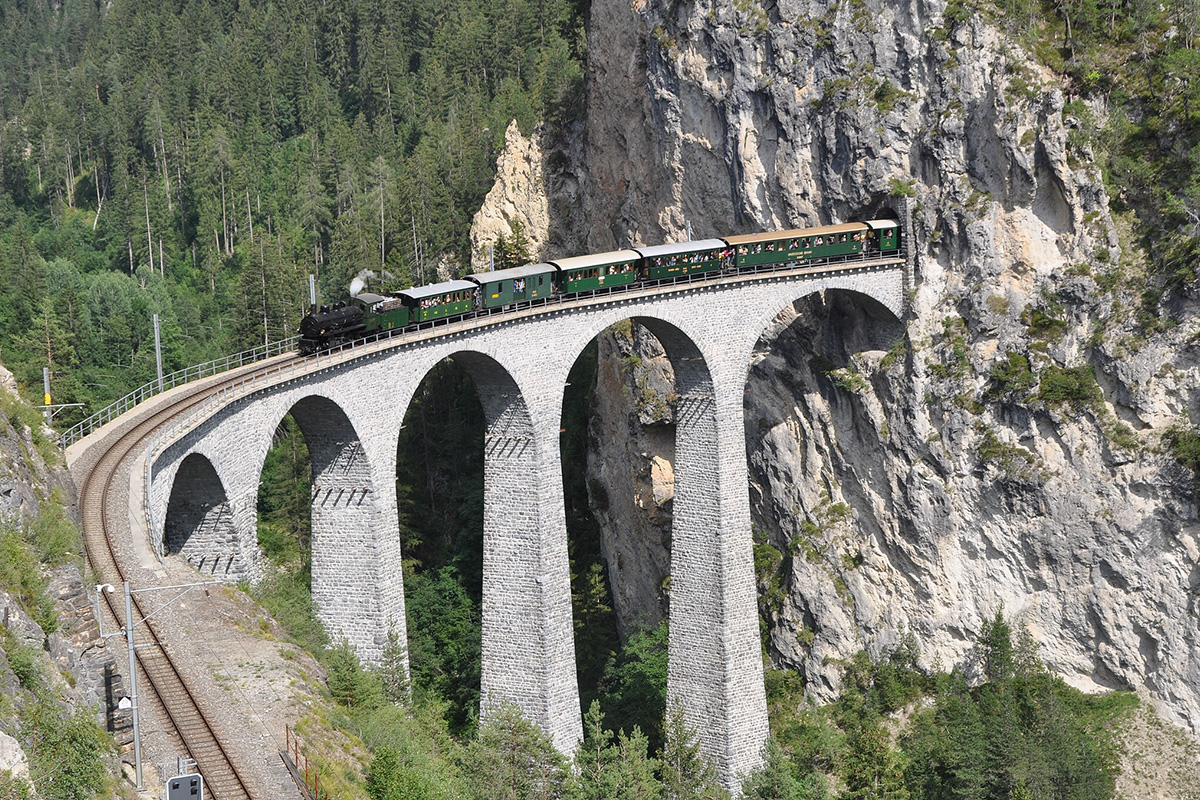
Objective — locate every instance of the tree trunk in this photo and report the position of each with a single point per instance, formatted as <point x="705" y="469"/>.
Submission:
<point x="149" y="237"/>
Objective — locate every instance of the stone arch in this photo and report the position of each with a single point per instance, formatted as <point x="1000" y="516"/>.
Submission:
<point x="528" y="652"/>
<point x="346" y="532"/>
<point x="199" y="521"/>
<point x="815" y="446"/>
<point x="883" y="323"/>
<point x="714" y="664"/>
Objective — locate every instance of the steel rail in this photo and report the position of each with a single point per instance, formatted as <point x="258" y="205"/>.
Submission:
<point x="181" y="704"/>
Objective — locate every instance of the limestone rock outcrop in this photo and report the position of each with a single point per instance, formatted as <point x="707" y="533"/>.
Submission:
<point x="909" y="488"/>
<point x="917" y="475"/>
<point x="519" y="193"/>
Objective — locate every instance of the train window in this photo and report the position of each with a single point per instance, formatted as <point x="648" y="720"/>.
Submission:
<point x="793" y="244"/>
<point x="842" y="239"/>
<point x="758" y="248"/>
<point x="770" y="247"/>
<point x="743" y="250"/>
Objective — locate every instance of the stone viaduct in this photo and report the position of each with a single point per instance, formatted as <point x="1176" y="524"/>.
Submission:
<point x="204" y="476"/>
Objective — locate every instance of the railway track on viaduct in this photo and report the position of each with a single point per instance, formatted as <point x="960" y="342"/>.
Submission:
<point x="105" y="518"/>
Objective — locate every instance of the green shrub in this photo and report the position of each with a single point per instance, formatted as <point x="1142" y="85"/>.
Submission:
<point x="1044" y="325"/>
<point x="53" y="535"/>
<point x="1075" y="387"/>
<point x="66" y="752"/>
<point x="1010" y="379"/>
<point x="21" y="575"/>
<point x="1183" y="442"/>
<point x="23" y="661"/>
<point x="900" y="187"/>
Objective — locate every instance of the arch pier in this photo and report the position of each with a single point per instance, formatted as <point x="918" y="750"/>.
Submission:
<point x="350" y="408"/>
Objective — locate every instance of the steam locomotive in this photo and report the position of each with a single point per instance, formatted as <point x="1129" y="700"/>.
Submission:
<point x="364" y="314"/>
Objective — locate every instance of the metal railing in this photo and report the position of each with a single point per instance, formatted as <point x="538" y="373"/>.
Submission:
<point x="171" y="432"/>
<point x="195" y="372"/>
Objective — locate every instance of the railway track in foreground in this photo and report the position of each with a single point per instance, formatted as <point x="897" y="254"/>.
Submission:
<point x="103" y="513"/>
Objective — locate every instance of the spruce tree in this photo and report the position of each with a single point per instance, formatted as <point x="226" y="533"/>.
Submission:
<point x="686" y="774"/>
<point x="513" y="759"/>
<point x="613" y="767"/>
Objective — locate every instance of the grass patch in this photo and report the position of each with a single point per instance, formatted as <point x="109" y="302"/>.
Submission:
<point x="1183" y="443"/>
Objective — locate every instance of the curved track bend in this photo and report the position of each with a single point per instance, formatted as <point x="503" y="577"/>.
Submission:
<point x="105" y="518"/>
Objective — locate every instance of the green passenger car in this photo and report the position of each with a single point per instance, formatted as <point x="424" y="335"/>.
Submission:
<point x="381" y="313"/>
<point x="439" y="300"/>
<point x="584" y="273"/>
<point x="883" y="236"/>
<point x="684" y="258"/>
<point x="516" y="285"/>
<point x="784" y="247"/>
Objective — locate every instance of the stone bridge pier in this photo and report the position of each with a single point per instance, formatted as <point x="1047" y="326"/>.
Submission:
<point x="350" y="407"/>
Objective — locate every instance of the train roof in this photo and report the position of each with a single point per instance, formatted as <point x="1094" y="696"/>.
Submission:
<point x="512" y="272"/>
<point x="771" y="236"/>
<point x="596" y="260"/>
<point x="368" y="298"/>
<point x="421" y="292"/>
<point x="882" y="224"/>
<point x="675" y="248"/>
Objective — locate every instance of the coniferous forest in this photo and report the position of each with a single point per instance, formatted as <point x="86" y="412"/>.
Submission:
<point x="199" y="160"/>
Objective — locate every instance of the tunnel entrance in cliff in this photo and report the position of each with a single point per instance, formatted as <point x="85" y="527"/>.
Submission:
<point x="440" y="507"/>
<point x="816" y="437"/>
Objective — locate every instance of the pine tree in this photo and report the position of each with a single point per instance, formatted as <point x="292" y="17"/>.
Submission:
<point x="685" y="773"/>
<point x="512" y="759"/>
<point x="513" y="250"/>
<point x="349" y="683"/>
<point x="613" y="769"/>
<point x="871" y="769"/>
<point x="393" y="669"/>
<point x="776" y="779"/>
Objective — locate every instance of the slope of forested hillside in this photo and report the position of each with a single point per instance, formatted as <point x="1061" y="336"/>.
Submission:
<point x="199" y="159"/>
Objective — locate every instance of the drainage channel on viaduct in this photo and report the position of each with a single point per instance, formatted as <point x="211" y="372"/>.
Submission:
<point x="203" y="476"/>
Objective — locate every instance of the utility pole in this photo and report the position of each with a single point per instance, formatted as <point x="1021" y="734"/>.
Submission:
<point x="46" y="392"/>
<point x="129" y="643"/>
<point x="157" y="354"/>
<point x="133" y="694"/>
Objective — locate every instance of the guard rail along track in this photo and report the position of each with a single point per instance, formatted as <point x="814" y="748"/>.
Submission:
<point x="167" y="424"/>
<point x="257" y="380"/>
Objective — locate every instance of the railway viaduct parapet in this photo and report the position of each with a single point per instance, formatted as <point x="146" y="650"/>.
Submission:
<point x="204" y="479"/>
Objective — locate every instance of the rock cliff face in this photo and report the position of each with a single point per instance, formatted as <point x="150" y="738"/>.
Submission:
<point x="907" y="487"/>
<point x="78" y="665"/>
<point x="518" y="194"/>
<point x="915" y="475"/>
